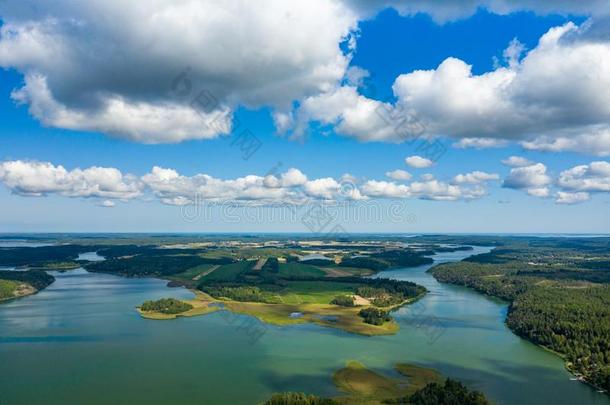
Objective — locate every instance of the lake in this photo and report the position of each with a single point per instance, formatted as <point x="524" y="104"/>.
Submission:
<point x="81" y="341"/>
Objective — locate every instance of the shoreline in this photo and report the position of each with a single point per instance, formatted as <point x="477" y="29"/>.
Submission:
<point x="24" y="290"/>
<point x="567" y="365"/>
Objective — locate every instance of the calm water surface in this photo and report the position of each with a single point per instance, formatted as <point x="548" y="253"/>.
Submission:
<point x="81" y="341"/>
<point x="90" y="256"/>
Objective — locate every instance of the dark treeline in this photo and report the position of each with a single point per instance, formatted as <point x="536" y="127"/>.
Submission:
<point x="116" y="251"/>
<point x="450" y="393"/>
<point x="238" y="293"/>
<point x="318" y="262"/>
<point x="159" y="263"/>
<point x="386" y="292"/>
<point x="145" y="265"/>
<point x="113" y="252"/>
<point x="404" y="257"/>
<point x="37" y="256"/>
<point x="272" y="265"/>
<point x="486" y="279"/>
<point x="496" y="256"/>
<point x="380" y="261"/>
<point x="36" y="278"/>
<point x="343" y="301"/>
<point x="298" y="398"/>
<point x="364" y="262"/>
<point x="43" y="255"/>
<point x="593" y="276"/>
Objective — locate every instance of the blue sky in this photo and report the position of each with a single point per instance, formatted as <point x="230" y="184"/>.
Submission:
<point x="387" y="45"/>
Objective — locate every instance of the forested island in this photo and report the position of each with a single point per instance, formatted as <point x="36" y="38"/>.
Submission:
<point x="169" y="306"/>
<point x="559" y="293"/>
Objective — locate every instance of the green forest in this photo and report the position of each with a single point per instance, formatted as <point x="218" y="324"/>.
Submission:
<point x="36" y="278"/>
<point x="169" y="306"/>
<point x="571" y="321"/>
<point x="559" y="294"/>
<point x="374" y="316"/>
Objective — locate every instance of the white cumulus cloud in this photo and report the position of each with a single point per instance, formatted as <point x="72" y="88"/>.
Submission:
<point x="106" y="185"/>
<point x="549" y="99"/>
<point x="533" y="179"/>
<point x="183" y="67"/>
<point x="594" y="177"/>
<point x="449" y="10"/>
<point x="400" y="175"/>
<point x="476" y="177"/>
<point x="516" y="161"/>
<point x="480" y="143"/>
<point x="43" y="178"/>
<point x="418" y="162"/>
<point x="114" y="66"/>
<point x="107" y="204"/>
<point x="563" y="197"/>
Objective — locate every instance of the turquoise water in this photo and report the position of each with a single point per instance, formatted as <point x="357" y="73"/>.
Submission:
<point x="81" y="341"/>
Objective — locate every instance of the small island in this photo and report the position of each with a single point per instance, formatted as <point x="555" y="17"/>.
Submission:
<point x="171" y="308"/>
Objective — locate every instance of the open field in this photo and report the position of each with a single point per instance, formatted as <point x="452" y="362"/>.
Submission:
<point x="300" y="270"/>
<point x="260" y="263"/>
<point x="227" y="272"/>
<point x="332" y="271"/>
<point x="194" y="273"/>
<point x="312" y="292"/>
